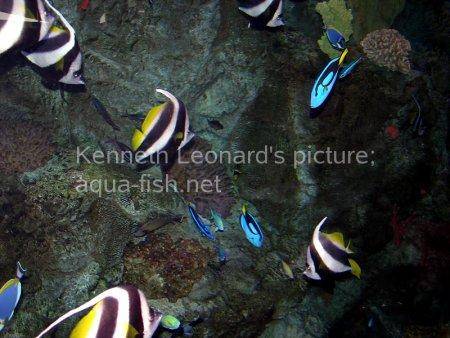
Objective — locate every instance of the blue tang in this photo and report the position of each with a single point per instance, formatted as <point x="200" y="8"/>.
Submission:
<point x="336" y="39"/>
<point x="201" y="225"/>
<point x="251" y="228"/>
<point x="325" y="83"/>
<point x="10" y="295"/>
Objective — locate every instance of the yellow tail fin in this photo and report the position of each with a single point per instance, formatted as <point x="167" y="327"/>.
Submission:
<point x="342" y="58"/>
<point x="356" y="270"/>
<point x="244" y="208"/>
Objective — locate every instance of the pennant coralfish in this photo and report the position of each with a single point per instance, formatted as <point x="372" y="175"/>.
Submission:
<point x="200" y="224"/>
<point x="117" y="312"/>
<point x="165" y="128"/>
<point x="251" y="228"/>
<point x="57" y="55"/>
<point x="328" y="253"/>
<point x="10" y="295"/>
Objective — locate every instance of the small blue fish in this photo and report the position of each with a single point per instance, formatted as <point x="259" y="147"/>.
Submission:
<point x="218" y="221"/>
<point x="10" y="295"/>
<point x="336" y="39"/>
<point x="349" y="68"/>
<point x="201" y="225"/>
<point x="251" y="228"/>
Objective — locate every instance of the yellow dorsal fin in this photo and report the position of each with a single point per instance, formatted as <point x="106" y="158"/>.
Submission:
<point x="8" y="284"/>
<point x="136" y="141"/>
<point x="151" y="116"/>
<point x="244" y="209"/>
<point x="356" y="270"/>
<point x="343" y="55"/>
<point x="337" y="238"/>
<point x="84" y="326"/>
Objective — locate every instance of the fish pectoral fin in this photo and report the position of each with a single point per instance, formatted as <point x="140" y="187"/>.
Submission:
<point x="179" y="136"/>
<point x="356" y="269"/>
<point x="151" y="116"/>
<point x="136" y="141"/>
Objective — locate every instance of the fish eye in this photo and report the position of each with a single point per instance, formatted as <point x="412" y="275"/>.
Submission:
<point x="77" y="74"/>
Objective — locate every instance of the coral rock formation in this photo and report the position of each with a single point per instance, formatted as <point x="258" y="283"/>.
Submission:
<point x="188" y="172"/>
<point x="388" y="48"/>
<point x="166" y="267"/>
<point x="25" y="146"/>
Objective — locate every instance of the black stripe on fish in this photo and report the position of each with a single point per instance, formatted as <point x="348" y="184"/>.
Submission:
<point x="181" y="121"/>
<point x="108" y="319"/>
<point x="160" y="127"/>
<point x="51" y="44"/>
<point x="252" y="225"/>
<point x="135" y="313"/>
<point x="315" y="258"/>
<point x="337" y="253"/>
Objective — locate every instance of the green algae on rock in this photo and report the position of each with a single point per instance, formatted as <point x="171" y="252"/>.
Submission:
<point x="373" y="15"/>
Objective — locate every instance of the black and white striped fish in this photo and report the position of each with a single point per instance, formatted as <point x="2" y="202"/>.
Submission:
<point x="165" y="127"/>
<point x="263" y="13"/>
<point x="58" y="56"/>
<point x="23" y="23"/>
<point x="328" y="253"/>
<point x="118" y="312"/>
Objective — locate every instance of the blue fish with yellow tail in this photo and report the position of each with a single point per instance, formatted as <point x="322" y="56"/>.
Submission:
<point x="251" y="228"/>
<point x="10" y="295"/>
<point x="325" y="83"/>
<point x="201" y="225"/>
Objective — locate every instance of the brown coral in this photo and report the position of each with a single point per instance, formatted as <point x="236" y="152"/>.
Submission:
<point x="24" y="146"/>
<point x="166" y="268"/>
<point x="187" y="171"/>
<point x="388" y="48"/>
